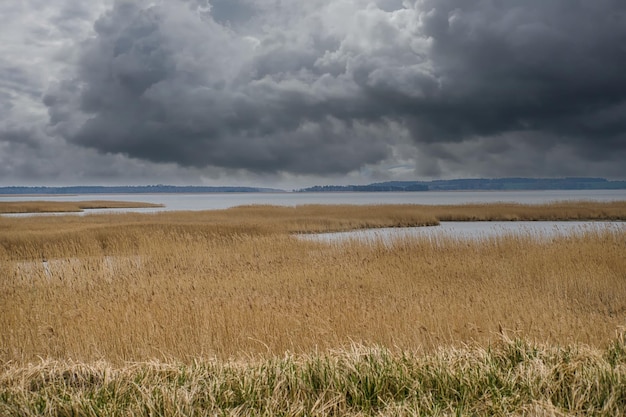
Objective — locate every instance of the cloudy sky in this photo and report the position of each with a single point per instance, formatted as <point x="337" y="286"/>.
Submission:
<point x="291" y="93"/>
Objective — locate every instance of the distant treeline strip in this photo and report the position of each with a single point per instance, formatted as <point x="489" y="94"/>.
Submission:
<point x="484" y="184"/>
<point x="476" y="184"/>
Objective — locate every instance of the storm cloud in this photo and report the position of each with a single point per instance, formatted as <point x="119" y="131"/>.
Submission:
<point x="169" y="84"/>
<point x="326" y="88"/>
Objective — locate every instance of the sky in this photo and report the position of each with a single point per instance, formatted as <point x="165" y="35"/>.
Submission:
<point x="292" y="93"/>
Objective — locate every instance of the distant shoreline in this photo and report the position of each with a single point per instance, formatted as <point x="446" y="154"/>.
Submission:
<point x="467" y="184"/>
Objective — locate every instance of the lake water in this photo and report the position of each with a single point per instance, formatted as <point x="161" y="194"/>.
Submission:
<point x="463" y="230"/>
<point x="471" y="231"/>
<point x="213" y="201"/>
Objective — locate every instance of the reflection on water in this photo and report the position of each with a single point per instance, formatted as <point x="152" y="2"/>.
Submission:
<point x="472" y="231"/>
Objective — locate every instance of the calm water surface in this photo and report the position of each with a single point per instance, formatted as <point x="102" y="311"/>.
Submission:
<point x="213" y="201"/>
<point x="472" y="231"/>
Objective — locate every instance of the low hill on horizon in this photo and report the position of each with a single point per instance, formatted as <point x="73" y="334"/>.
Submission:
<point x="480" y="184"/>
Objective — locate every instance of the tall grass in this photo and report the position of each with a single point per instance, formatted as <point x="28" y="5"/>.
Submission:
<point x="566" y="210"/>
<point x="199" y="313"/>
<point x="228" y="284"/>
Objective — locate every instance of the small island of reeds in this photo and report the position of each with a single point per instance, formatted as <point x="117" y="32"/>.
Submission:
<point x="12" y="207"/>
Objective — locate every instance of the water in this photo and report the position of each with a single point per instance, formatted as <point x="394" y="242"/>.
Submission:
<point x="473" y="231"/>
<point x="213" y="201"/>
<point x="463" y="230"/>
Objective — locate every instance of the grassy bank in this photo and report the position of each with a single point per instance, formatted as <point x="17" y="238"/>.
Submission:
<point x="511" y="377"/>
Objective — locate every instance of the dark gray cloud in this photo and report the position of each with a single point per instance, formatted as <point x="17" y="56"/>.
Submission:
<point x="233" y="12"/>
<point x="163" y="84"/>
<point x="554" y="67"/>
<point x="330" y="87"/>
<point x="170" y="84"/>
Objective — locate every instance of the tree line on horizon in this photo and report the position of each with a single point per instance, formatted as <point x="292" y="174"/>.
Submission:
<point x="476" y="184"/>
<point x="485" y="184"/>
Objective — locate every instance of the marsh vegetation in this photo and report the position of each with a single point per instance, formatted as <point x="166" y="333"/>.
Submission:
<point x="192" y="312"/>
<point x="7" y="207"/>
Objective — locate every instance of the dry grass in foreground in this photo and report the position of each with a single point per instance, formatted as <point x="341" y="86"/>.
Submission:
<point x="67" y="206"/>
<point x="511" y="377"/>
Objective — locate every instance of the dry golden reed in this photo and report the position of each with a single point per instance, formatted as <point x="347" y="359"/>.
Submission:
<point x="67" y="206"/>
<point x="236" y="283"/>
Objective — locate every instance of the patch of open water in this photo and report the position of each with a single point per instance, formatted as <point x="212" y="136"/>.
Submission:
<point x="472" y="231"/>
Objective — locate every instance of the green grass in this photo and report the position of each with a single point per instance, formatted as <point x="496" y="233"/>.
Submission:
<point x="511" y="377"/>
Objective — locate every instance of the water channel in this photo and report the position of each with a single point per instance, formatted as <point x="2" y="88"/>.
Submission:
<point x="461" y="230"/>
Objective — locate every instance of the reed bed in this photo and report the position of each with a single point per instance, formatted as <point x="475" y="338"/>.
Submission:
<point x="7" y="207"/>
<point x="192" y="297"/>
<point x="66" y="236"/>
<point x="566" y="210"/>
<point x="189" y="313"/>
<point x="236" y="282"/>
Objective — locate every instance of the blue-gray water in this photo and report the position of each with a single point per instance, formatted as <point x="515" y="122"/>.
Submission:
<point x="214" y="201"/>
<point x="472" y="231"/>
